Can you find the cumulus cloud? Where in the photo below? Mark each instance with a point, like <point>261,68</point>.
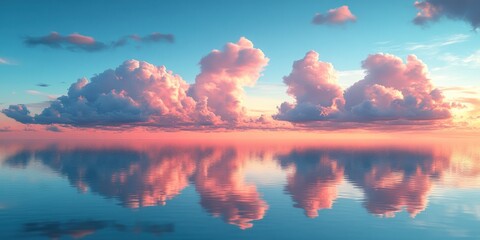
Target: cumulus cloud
<point>78,42</point>
<point>134,92</point>
<point>139,93</point>
<point>335,16</point>
<point>18,112</point>
<point>314,86</point>
<point>219,86</point>
<point>433,10</point>
<point>391,90</point>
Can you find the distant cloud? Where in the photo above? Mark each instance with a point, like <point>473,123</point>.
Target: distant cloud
<point>390,91</point>
<point>154,37</point>
<point>43,85</point>
<point>4,61</point>
<point>53,128</point>
<point>38,93</point>
<point>5,129</point>
<point>434,45</point>
<point>335,16</point>
<point>77,42</point>
<point>433,10</point>
<point>72,42</point>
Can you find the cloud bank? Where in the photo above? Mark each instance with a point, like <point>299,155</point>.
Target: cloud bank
<point>78,42</point>
<point>391,90</point>
<point>139,93</point>
<point>335,16</point>
<point>433,10</point>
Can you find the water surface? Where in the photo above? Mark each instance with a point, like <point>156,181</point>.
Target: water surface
<point>151,190</point>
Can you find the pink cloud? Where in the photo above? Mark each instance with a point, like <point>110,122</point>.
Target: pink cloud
<point>391,90</point>
<point>395,90</point>
<point>314,86</point>
<point>337,16</point>
<point>432,10</point>
<point>223,75</point>
<point>140,93</point>
<point>134,92</point>
<point>76,38</point>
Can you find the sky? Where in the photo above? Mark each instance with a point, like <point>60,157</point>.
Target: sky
<point>209,65</point>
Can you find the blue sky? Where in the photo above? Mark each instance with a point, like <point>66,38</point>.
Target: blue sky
<point>281,29</point>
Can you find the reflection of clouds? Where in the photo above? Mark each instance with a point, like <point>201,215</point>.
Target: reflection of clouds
<point>390,178</point>
<point>140,178</point>
<point>81,228</point>
<point>394,179</point>
<point>390,195</point>
<point>223,191</point>
<point>313,185</point>
<point>133,177</point>
<point>56,230</point>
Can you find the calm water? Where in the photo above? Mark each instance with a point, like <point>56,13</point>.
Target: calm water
<point>127,190</point>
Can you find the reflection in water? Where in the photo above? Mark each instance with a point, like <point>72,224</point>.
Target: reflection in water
<point>313,185</point>
<point>82,228</point>
<point>223,192</point>
<point>391,178</point>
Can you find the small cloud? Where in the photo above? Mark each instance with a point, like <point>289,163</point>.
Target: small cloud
<point>53,128</point>
<point>4,61</point>
<point>5,129</point>
<point>29,129</point>
<point>154,37</point>
<point>43,85</point>
<point>335,16</point>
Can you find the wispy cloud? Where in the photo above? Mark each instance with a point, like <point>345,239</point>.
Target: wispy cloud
<point>78,42</point>
<point>4,61</point>
<point>38,93</point>
<point>471,60</point>
<point>454,39</point>
<point>430,47</point>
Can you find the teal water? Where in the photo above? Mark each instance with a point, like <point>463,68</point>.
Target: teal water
<point>148,190</point>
